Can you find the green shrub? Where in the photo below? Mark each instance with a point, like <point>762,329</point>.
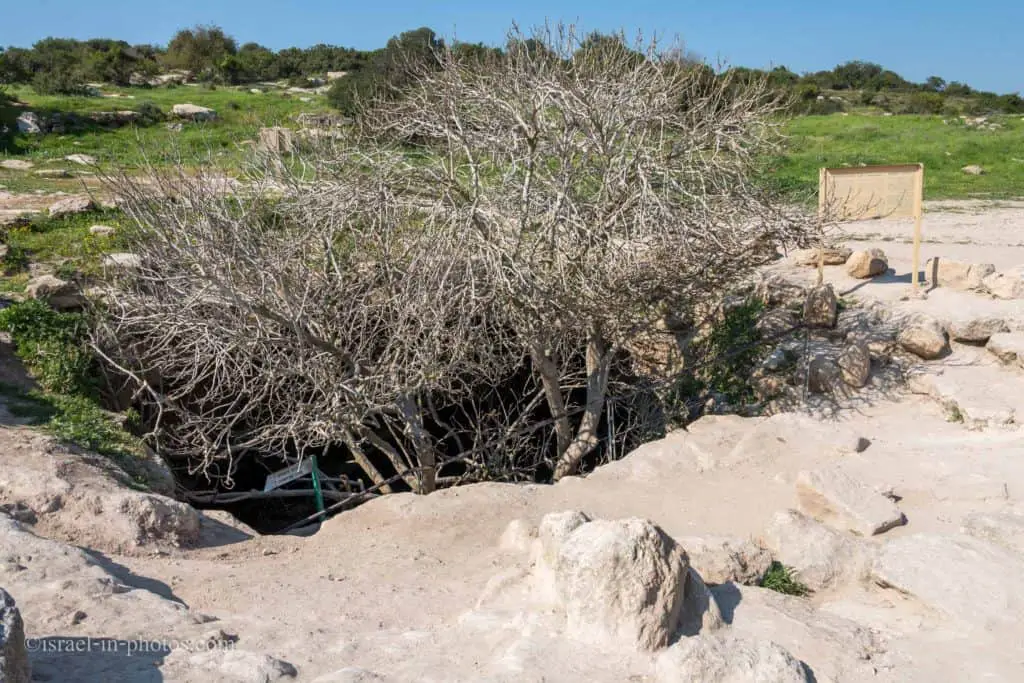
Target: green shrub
<point>16,259</point>
<point>730,352</point>
<point>780,579</point>
<point>52,345</point>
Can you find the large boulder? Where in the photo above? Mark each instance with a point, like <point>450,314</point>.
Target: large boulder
<point>57,293</point>
<point>956,274</point>
<point>626,581</point>
<point>14,667</point>
<point>193,112</point>
<point>70,206</point>
<point>976,330</point>
<point>855,364</point>
<point>727,658</point>
<point>621,580</point>
<point>820,307</point>
<point>16,164</point>
<point>868,263</point>
<point>29,123</point>
<point>925,338</point>
<point>1006,285</point>
<point>1007,347</point>
<point>833,256</point>
<point>822,557</point>
<point>719,560</point>
<point>833,497</point>
<point>824,376</point>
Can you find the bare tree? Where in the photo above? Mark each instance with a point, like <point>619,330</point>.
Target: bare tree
<point>601,185</point>
<point>530,213</point>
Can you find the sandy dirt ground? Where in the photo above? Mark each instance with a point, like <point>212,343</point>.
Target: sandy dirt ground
<point>404,588</point>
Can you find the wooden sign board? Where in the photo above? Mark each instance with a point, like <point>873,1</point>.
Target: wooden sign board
<point>857,193</point>
<point>288,474</point>
<point>863,192</point>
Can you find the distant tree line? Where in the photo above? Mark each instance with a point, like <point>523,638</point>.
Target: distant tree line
<point>61,65</point>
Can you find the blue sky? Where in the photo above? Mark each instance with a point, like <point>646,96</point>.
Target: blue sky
<point>979,42</point>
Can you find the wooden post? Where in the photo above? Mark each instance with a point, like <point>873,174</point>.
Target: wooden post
<point>822,207</point>
<point>918,211</point>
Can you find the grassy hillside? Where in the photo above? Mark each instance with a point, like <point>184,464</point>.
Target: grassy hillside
<point>943,145</point>
<point>240,114</point>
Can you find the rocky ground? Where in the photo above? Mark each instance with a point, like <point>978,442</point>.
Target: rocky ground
<point>900,505</point>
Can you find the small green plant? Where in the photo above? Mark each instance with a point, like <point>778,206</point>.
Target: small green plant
<point>52,346</point>
<point>67,270</point>
<point>780,579</point>
<point>730,352</point>
<point>953,413</point>
<point>16,259</point>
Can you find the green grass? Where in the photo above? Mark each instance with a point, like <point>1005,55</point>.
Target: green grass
<point>240,115</point>
<point>780,579</point>
<point>65,240</point>
<point>53,348</point>
<point>944,148</point>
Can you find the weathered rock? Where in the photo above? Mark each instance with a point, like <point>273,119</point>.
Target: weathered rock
<point>768,386</point>
<point>834,498</point>
<point>14,667</point>
<point>237,665</point>
<point>973,169</point>
<point>776,290</point>
<point>820,307</point>
<point>1007,346</point>
<point>1006,285</point>
<point>518,536</point>
<point>122,261</point>
<point>29,123</point>
<point>855,364</point>
<point>726,658</point>
<point>718,559</point>
<point>942,272</point>
<point>776,322</point>
<point>833,256</point>
<point>70,206</point>
<point>82,159</point>
<point>622,580</point>
<point>925,338</point>
<point>193,112</point>
<point>968,579</point>
<point>865,264</point>
<point>16,165</point>
<point>833,647</point>
<point>57,293</point>
<point>1005,528</point>
<point>53,173</point>
<point>553,531</point>
<point>102,230</point>
<point>822,557</point>
<point>976,330</point>
<point>824,376</point>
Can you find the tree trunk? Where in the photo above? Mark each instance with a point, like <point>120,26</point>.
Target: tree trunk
<point>598,368</point>
<point>549,378</point>
<point>426,472</point>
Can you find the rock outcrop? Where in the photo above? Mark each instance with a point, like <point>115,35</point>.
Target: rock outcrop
<point>14,667</point>
<point>866,264</point>
<point>925,338</point>
<point>834,498</point>
<point>726,658</point>
<point>822,557</point>
<point>820,307</point>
